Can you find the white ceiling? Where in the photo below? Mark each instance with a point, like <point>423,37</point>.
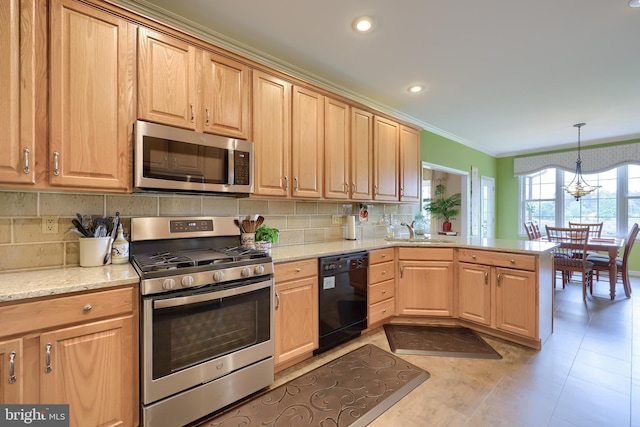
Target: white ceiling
<point>502,76</point>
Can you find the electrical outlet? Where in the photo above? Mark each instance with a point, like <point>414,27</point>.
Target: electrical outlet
<point>336,219</point>
<point>49,225</point>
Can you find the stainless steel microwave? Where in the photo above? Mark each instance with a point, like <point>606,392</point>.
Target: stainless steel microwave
<point>171,159</point>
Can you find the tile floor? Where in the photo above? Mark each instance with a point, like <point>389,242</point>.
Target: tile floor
<point>587,374</point>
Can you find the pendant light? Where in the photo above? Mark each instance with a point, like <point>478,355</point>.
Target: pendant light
<point>578,187</point>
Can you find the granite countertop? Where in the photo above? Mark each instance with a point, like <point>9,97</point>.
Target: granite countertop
<point>57,281</point>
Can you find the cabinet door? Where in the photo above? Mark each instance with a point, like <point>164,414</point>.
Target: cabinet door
<point>17,82</point>
<point>91,368</point>
<point>516,306</point>
<point>385,143</point>
<point>91,94</point>
<point>167,79</point>
<point>410,165</point>
<point>425,288</point>
<point>296,318</point>
<point>474,293</point>
<point>271,134</point>
<point>336,148</point>
<point>307,143</point>
<point>226,96</point>
<point>11,372</point>
<point>361,155</point>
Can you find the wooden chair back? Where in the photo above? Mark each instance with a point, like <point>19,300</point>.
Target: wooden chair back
<point>532,229</point>
<point>595,229</point>
<point>571,241</point>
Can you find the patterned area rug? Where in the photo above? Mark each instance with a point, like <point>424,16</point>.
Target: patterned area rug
<point>446,341</point>
<point>351,390</point>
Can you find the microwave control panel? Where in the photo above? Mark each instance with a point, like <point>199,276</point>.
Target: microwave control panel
<point>242,164</point>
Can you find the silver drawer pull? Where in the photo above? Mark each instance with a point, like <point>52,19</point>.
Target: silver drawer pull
<point>384,272</point>
<point>384,291</point>
<point>87,307</point>
<point>56,163</point>
<point>12,369</point>
<point>384,310</point>
<point>384,255</point>
<point>473,257</point>
<point>26,161</point>
<point>513,261</point>
<point>47,359</point>
<point>297,270</point>
<point>277,301</point>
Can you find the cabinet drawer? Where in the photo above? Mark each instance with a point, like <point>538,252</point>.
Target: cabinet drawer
<point>296,270</point>
<point>381,311</point>
<point>55,312</point>
<point>498,259</point>
<point>381,272</point>
<point>380,255</point>
<point>381,291</point>
<point>428,254</point>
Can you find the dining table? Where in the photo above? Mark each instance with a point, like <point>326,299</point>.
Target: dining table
<point>610,245</point>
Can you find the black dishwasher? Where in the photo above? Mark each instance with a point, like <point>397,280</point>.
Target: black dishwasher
<point>343,298</point>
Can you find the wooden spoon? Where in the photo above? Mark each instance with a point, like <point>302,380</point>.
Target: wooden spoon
<point>259,221</point>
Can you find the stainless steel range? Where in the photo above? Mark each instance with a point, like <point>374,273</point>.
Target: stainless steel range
<point>206,323</point>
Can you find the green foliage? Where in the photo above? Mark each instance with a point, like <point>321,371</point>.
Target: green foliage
<point>443,208</point>
<point>265,233</point>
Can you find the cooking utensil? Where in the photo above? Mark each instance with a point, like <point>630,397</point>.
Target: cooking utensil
<point>239,225</point>
<point>80,228</point>
<point>246,226</point>
<point>259,221</point>
<point>114,230</point>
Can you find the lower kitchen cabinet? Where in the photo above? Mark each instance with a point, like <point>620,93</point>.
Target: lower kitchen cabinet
<point>425,282</point>
<point>381,290</point>
<point>80,350</point>
<point>296,312</point>
<point>502,298</point>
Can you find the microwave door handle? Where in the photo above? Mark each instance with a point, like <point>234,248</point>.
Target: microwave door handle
<point>232,172</point>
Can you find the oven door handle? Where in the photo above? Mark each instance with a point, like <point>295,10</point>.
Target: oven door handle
<point>194,299</point>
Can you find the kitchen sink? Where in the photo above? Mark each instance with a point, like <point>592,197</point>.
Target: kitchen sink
<point>418,240</point>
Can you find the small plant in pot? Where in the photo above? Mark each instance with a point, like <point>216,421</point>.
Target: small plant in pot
<point>265,237</point>
<point>444,208</point>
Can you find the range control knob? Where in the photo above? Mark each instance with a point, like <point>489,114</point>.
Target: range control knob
<point>246,272</point>
<point>187,281</point>
<point>259,269</point>
<point>218,276</point>
<point>168,284</point>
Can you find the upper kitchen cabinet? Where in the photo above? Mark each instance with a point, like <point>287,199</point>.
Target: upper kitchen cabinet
<point>409,164</point>
<point>92,76</point>
<point>168,78</point>
<point>336,149</point>
<point>271,134</point>
<point>307,143</point>
<point>361,154</point>
<point>226,96</point>
<point>192,88</point>
<point>17,82</point>
<point>386,135</point>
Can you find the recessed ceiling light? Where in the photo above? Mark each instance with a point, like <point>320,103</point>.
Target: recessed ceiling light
<point>363,24</point>
<point>634,3</point>
<point>415,88</point>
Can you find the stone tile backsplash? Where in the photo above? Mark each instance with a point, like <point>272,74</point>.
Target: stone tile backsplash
<point>24,246</point>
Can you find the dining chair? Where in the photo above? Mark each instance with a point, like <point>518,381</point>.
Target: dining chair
<point>601,261</point>
<point>571,240</point>
<point>536,231</point>
<point>595,230</point>
<point>532,229</point>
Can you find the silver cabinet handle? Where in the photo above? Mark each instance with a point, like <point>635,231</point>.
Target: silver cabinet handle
<point>353,189</point>
<point>87,307</point>
<point>298,270</point>
<point>346,188</point>
<point>56,163</point>
<point>486,277</point>
<point>26,160</point>
<point>193,116</point>
<point>295,182</point>
<point>12,369</point>
<point>286,182</point>
<point>208,118</point>
<point>513,261</point>
<point>47,359</point>
<point>499,277</point>
<point>384,255</point>
<point>401,271</point>
<point>473,257</point>
<point>375,189</point>
<point>401,191</point>
<point>277,300</point>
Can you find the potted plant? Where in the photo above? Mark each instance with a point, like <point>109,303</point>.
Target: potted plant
<point>265,237</point>
<point>444,208</point>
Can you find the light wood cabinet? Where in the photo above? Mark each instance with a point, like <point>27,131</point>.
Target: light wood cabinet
<point>361,154</point>
<point>296,311</point>
<point>493,295</point>
<point>381,289</point>
<point>271,134</point>
<point>307,143</point>
<point>385,171</point>
<point>337,149</point>
<point>91,82</point>
<point>410,165</point>
<point>185,86</point>
<point>18,86</point>
<point>425,282</point>
<point>80,350</point>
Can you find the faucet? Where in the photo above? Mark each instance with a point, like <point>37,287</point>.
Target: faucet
<point>410,227</point>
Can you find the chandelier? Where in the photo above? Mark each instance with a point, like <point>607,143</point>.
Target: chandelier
<point>578,187</point>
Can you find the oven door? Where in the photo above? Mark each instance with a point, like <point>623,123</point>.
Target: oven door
<point>193,337</point>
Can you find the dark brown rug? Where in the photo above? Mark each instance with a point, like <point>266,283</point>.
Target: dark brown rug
<point>449,341</point>
<point>351,390</point>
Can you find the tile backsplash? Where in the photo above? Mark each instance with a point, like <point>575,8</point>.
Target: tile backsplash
<point>23,245</point>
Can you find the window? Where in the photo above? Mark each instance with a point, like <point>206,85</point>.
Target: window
<point>616,203</point>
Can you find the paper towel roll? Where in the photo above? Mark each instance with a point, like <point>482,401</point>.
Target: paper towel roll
<point>350,228</point>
